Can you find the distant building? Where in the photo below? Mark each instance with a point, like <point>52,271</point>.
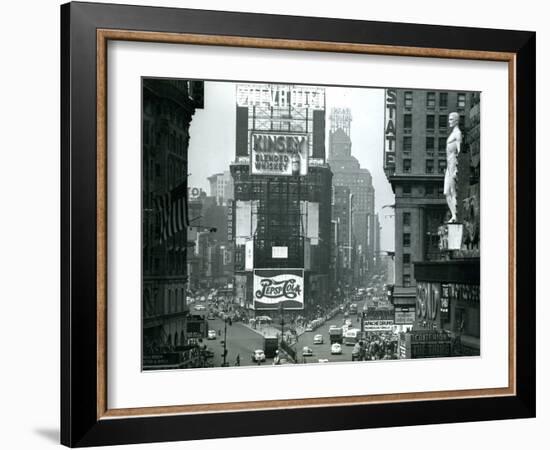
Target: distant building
<point>168,107</point>
<point>221,187</point>
<point>342,210</point>
<point>348,173</point>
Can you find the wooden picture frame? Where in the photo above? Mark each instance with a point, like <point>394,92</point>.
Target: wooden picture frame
<point>86,419</point>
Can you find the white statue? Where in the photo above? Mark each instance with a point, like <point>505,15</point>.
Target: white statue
<point>453,149</point>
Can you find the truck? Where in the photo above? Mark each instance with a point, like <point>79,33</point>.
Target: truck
<point>336,335</point>
<point>271,345</point>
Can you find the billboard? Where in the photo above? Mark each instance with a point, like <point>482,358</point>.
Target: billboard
<point>280,96</point>
<point>279,154</point>
<point>276,288</point>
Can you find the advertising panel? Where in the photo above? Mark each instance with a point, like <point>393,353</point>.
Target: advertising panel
<point>404,315</point>
<point>279,154</point>
<point>280,96</point>
<point>276,288</point>
<point>378,325</point>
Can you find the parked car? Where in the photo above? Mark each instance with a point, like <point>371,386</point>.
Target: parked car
<point>335,349</point>
<point>307,351</point>
<point>200,307</point>
<point>212,334</point>
<point>258,356</point>
<point>309,327</point>
<point>323,360</point>
<point>318,339</point>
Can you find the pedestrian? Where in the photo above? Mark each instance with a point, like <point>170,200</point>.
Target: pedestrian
<point>238,360</point>
<point>219,332</point>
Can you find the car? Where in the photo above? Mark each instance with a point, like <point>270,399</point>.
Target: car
<point>348,322</point>
<point>306,351</point>
<point>336,349</point>
<point>200,307</point>
<point>323,360</point>
<point>318,339</point>
<point>211,316</point>
<point>309,327</point>
<point>212,334</point>
<point>258,356</point>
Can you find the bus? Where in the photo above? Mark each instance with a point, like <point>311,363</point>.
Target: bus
<point>351,337</point>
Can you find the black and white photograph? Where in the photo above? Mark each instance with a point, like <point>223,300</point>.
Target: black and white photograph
<point>302,224</point>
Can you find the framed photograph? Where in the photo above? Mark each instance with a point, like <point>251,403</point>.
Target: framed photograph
<point>279,224</point>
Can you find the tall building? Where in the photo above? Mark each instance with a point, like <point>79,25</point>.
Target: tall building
<point>347,172</point>
<point>416,130</point>
<point>451,282</point>
<point>281,210</point>
<point>221,187</point>
<point>168,107</point>
<point>342,215</point>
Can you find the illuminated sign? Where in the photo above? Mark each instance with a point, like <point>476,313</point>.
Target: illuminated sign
<point>275,288</point>
<point>390,116</point>
<point>279,154</point>
<point>280,96</point>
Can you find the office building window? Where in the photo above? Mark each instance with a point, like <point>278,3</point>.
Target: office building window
<point>406,279</point>
<point>407,144</point>
<point>441,166</point>
<point>406,258</point>
<point>430,141</point>
<point>443,99</point>
<point>406,165</point>
<point>406,218</point>
<point>407,189</point>
<point>408,99</point>
<point>406,239</point>
<point>407,121</point>
<point>430,100</point>
<point>442,121</point>
<point>430,122</point>
<point>442,145</point>
<point>429,166</point>
<point>461,100</point>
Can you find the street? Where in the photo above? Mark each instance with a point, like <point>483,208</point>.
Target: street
<point>241,340</point>
<point>322,351</point>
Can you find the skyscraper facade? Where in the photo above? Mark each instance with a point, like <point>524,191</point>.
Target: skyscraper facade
<point>347,172</point>
<point>416,130</point>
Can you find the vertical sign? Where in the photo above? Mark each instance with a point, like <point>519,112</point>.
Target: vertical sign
<point>390,116</point>
<point>249,255</point>
<point>230,220</point>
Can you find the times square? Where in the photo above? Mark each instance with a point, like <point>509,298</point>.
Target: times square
<point>285,251</point>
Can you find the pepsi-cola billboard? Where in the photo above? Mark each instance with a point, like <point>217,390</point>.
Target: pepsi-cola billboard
<point>276,288</point>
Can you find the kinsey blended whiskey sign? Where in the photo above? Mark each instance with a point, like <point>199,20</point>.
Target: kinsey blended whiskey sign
<point>274,288</point>
<point>279,154</point>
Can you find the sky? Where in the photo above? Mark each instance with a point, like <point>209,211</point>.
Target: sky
<point>212,140</point>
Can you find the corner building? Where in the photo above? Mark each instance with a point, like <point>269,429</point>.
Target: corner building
<point>416,131</point>
<point>168,108</point>
<point>281,211</point>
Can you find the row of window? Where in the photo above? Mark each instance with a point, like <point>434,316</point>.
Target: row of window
<point>431,100</point>
<point>430,165</point>
<point>442,121</point>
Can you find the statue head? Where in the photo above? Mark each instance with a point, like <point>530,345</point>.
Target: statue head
<point>453,119</point>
